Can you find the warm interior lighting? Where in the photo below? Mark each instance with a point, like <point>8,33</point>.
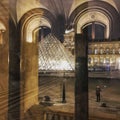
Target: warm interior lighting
<point>2,30</point>
<point>1,36</point>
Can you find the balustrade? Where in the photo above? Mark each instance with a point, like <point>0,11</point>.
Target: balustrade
<point>58,116</point>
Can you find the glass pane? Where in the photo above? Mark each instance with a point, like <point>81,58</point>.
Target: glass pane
<point>99,32</point>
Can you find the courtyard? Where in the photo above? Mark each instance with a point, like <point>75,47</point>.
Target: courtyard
<point>107,109</point>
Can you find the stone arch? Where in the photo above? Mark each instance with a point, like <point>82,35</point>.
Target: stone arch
<point>93,16</point>
<point>28,25</point>
<point>35,23</point>
<point>111,15</point>
<point>43,13</point>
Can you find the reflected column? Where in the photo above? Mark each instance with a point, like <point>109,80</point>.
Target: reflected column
<point>81,82</point>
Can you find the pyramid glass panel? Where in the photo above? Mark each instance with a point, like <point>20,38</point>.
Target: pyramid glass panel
<point>54,56</point>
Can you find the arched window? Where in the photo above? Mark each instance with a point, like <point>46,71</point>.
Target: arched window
<point>107,51</point>
<point>101,50</point>
<point>96,51</point>
<point>113,50</point>
<point>107,60</point>
<point>94,31</point>
<point>101,60</point>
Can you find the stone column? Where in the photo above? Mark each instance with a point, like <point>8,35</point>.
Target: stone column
<point>4,75</point>
<point>81,83</point>
<point>14,73</point>
<point>29,75</point>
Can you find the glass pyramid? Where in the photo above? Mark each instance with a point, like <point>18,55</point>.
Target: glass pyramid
<point>53,56</point>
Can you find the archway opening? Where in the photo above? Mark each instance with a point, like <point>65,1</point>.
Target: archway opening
<point>32,30</point>
<point>54,66</point>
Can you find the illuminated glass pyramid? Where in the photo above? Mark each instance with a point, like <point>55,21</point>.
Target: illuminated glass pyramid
<point>54,56</point>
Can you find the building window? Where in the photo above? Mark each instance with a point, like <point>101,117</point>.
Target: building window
<point>107,50</point>
<point>112,60</point>
<point>101,50</point>
<point>107,60</point>
<point>96,51</point>
<point>101,60</point>
<point>113,51</point>
<point>89,50</point>
<point>95,61</point>
<point>94,31</point>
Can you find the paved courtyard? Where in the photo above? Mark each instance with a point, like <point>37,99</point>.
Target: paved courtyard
<point>110,95</point>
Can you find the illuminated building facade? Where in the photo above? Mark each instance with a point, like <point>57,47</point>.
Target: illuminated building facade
<point>102,55</point>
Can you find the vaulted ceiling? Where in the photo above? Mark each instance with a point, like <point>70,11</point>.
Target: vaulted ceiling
<point>57,8</point>
<point>19,7</point>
